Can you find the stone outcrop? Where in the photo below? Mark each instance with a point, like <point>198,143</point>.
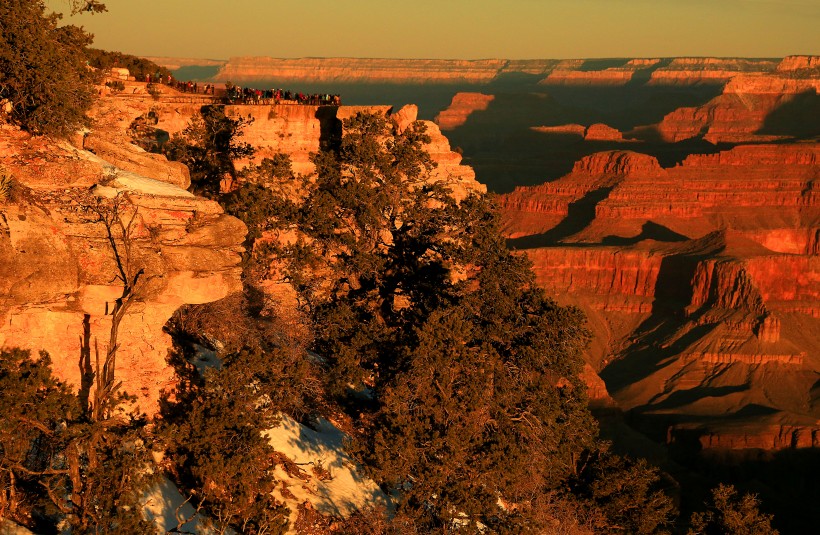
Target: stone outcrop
<point>602,132</point>
<point>747,111</point>
<point>128,157</point>
<point>462,106</point>
<point>58,266</point>
<point>295,130</point>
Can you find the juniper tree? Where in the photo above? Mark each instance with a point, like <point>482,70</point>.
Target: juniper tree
<point>43,72</point>
<point>58,466</point>
<point>472,370</point>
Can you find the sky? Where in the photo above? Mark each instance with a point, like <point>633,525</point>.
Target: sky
<point>463,29</point>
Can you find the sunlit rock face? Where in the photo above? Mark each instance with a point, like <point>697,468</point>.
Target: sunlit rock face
<point>755,107</point>
<point>702,278</point>
<point>57,265</point>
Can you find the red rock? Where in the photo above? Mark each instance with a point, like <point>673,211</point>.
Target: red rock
<point>570,129</point>
<point>461,107</point>
<point>347,70</point>
<point>719,254</point>
<point>602,132</point>
<point>739,114</point>
<point>56,266</point>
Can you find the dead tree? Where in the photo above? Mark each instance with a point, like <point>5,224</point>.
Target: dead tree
<point>119,234</point>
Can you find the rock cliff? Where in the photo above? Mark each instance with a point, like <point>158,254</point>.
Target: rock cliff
<point>57,265</point>
<point>295,130</point>
<point>754,107</point>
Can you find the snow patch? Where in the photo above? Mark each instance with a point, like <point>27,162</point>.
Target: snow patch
<point>166,508</point>
<point>342,490</point>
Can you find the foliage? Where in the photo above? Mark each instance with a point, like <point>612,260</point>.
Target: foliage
<point>117,86</point>
<point>471,372</point>
<point>622,495</point>
<point>214,442</point>
<point>728,514</point>
<point>57,464</point>
<point>87,6</point>
<point>137,67</point>
<point>208,146</point>
<point>42,69</point>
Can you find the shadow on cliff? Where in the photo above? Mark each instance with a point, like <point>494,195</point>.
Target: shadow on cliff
<point>649,231</point>
<point>667,332</point>
<point>798,117</point>
<point>784,481</point>
<point>505,151</point>
<point>579,215</point>
<point>330,128</point>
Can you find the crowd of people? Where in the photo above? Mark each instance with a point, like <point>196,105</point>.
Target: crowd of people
<point>234,94</point>
<point>249,95</point>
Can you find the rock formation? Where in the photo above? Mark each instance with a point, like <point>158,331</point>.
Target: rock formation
<point>462,106</point>
<point>347,70</point>
<point>573,72</point>
<point>58,266</point>
<point>701,282</point>
<point>757,107</point>
<point>295,130</point>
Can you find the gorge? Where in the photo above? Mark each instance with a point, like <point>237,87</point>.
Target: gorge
<point>671,200</point>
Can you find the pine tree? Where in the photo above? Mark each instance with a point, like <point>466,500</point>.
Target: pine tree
<point>728,514</point>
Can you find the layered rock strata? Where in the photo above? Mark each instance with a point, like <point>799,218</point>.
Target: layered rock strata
<point>757,107</point>
<point>295,130</point>
<point>701,282</point>
<point>58,265</point>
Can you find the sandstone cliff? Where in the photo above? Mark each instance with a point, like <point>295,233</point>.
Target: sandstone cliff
<point>754,107</point>
<point>57,265</point>
<point>295,130</point>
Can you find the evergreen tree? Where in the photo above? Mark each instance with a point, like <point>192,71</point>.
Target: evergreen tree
<point>213,435</point>
<point>472,372</point>
<point>620,495</point>
<point>43,72</point>
<point>728,514</point>
<point>208,145</point>
<point>59,467</point>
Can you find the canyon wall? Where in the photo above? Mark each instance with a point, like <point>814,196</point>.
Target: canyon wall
<point>347,70</point>
<point>702,277</point>
<point>655,71</point>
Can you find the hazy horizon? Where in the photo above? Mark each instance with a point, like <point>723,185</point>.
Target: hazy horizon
<point>479,29</point>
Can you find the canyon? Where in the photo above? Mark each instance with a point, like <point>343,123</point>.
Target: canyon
<point>699,273</point>
<point>58,267</point>
<point>672,200</point>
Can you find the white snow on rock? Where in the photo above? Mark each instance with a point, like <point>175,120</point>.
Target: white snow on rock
<point>132,182</point>
<point>344,492</point>
<point>166,508</point>
<point>7,527</point>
